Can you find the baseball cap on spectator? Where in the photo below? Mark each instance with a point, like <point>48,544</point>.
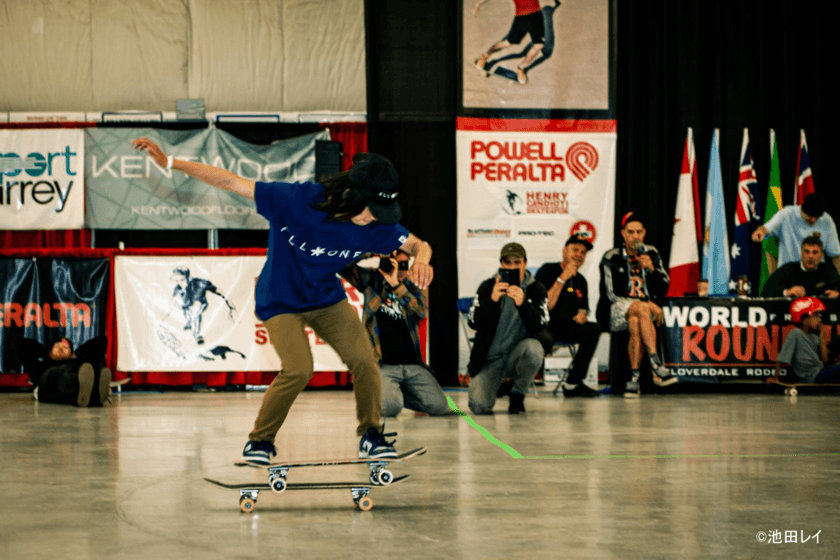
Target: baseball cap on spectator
<point>580,239</point>
<point>814,205</point>
<point>513,249</point>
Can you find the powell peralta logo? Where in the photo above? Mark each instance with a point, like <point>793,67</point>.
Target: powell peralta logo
<point>54,314</point>
<point>29,178</point>
<point>530,161</point>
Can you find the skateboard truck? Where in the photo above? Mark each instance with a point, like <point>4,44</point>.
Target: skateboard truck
<point>277,478</point>
<point>379,475</point>
<point>248,498</point>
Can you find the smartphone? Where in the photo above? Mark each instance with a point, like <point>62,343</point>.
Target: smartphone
<point>509,276</point>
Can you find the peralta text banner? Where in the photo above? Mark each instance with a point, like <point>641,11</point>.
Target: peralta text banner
<point>127,190</point>
<point>49,298</point>
<point>730,338</point>
<point>197,314</point>
<point>42,179</point>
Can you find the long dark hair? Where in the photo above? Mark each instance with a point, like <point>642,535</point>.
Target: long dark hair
<point>339,199</point>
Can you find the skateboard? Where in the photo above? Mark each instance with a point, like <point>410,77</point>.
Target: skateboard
<point>793,389</point>
<point>379,475</point>
<point>248,492</point>
<point>493,68</point>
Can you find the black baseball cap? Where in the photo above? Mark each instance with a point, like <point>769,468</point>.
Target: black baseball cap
<point>580,239</point>
<point>375,179</point>
<point>814,205</point>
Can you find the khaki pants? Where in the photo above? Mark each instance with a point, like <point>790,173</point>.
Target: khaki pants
<point>339,326</point>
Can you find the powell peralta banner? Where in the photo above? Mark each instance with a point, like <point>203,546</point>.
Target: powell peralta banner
<point>730,339</point>
<point>197,314</point>
<point>50,298</point>
<point>536,182</point>
<point>41,179</point>
<point>127,190</point>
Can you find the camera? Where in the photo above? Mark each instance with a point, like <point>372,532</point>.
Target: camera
<point>509,276</point>
<point>385,264</point>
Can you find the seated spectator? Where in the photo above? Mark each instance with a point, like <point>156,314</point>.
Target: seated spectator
<point>792,224</point>
<point>808,277</point>
<point>568,303</point>
<point>806,348</point>
<point>510,316</point>
<point>631,276</point>
<point>394,307</point>
<point>62,376</point>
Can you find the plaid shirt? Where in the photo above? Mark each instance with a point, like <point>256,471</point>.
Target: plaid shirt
<point>412,300</point>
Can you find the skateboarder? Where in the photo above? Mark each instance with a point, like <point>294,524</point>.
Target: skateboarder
<point>531,20</point>
<point>315,231</point>
<point>806,347</point>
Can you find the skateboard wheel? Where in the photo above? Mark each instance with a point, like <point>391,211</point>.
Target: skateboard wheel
<point>365,504</point>
<point>385,478</point>
<point>247,505</point>
<point>793,392</point>
<point>374,479</point>
<point>278,485</point>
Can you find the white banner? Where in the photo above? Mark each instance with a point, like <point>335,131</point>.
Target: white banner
<point>536,183</point>
<point>197,314</point>
<point>42,179</point>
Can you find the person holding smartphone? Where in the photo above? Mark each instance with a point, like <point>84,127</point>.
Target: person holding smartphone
<point>510,316</point>
<point>393,309</point>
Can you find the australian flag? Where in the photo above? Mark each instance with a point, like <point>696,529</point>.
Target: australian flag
<point>745,260</point>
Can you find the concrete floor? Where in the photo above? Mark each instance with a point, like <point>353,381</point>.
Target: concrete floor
<point>682,476</point>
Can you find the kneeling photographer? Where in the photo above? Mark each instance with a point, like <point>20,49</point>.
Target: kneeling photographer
<point>510,316</point>
<point>394,307</point>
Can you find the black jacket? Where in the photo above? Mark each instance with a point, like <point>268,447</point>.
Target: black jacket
<point>484,318</point>
<point>815,282</point>
<point>619,280</point>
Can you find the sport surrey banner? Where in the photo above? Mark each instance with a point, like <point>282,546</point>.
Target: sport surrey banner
<point>197,314</point>
<point>49,298</point>
<point>127,190</point>
<point>41,179</point>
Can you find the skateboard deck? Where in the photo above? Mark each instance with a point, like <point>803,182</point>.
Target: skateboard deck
<point>249,491</point>
<point>493,68</point>
<point>793,389</point>
<point>379,475</point>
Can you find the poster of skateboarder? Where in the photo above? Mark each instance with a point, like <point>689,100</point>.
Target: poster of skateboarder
<point>197,314</point>
<point>536,54</point>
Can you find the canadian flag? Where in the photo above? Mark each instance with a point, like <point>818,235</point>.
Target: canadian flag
<point>684,264</point>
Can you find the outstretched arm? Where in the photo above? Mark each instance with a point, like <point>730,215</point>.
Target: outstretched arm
<point>213,176</point>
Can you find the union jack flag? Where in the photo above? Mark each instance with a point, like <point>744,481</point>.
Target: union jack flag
<point>804,181</point>
<point>747,217</point>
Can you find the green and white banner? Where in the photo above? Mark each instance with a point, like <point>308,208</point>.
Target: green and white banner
<point>125,189</point>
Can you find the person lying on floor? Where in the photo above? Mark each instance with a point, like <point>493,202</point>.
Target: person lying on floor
<point>62,376</point>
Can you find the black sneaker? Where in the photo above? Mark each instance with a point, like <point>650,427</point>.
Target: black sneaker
<point>517,403</point>
<point>259,452</point>
<point>579,390</point>
<point>374,445</point>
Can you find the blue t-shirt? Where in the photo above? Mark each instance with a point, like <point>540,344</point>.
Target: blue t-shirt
<point>306,249</point>
<point>789,227</point>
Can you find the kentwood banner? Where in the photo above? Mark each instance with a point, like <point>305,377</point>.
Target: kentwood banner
<point>729,338</point>
<point>127,190</point>
<point>47,299</point>
<point>41,179</point>
<point>197,314</point>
